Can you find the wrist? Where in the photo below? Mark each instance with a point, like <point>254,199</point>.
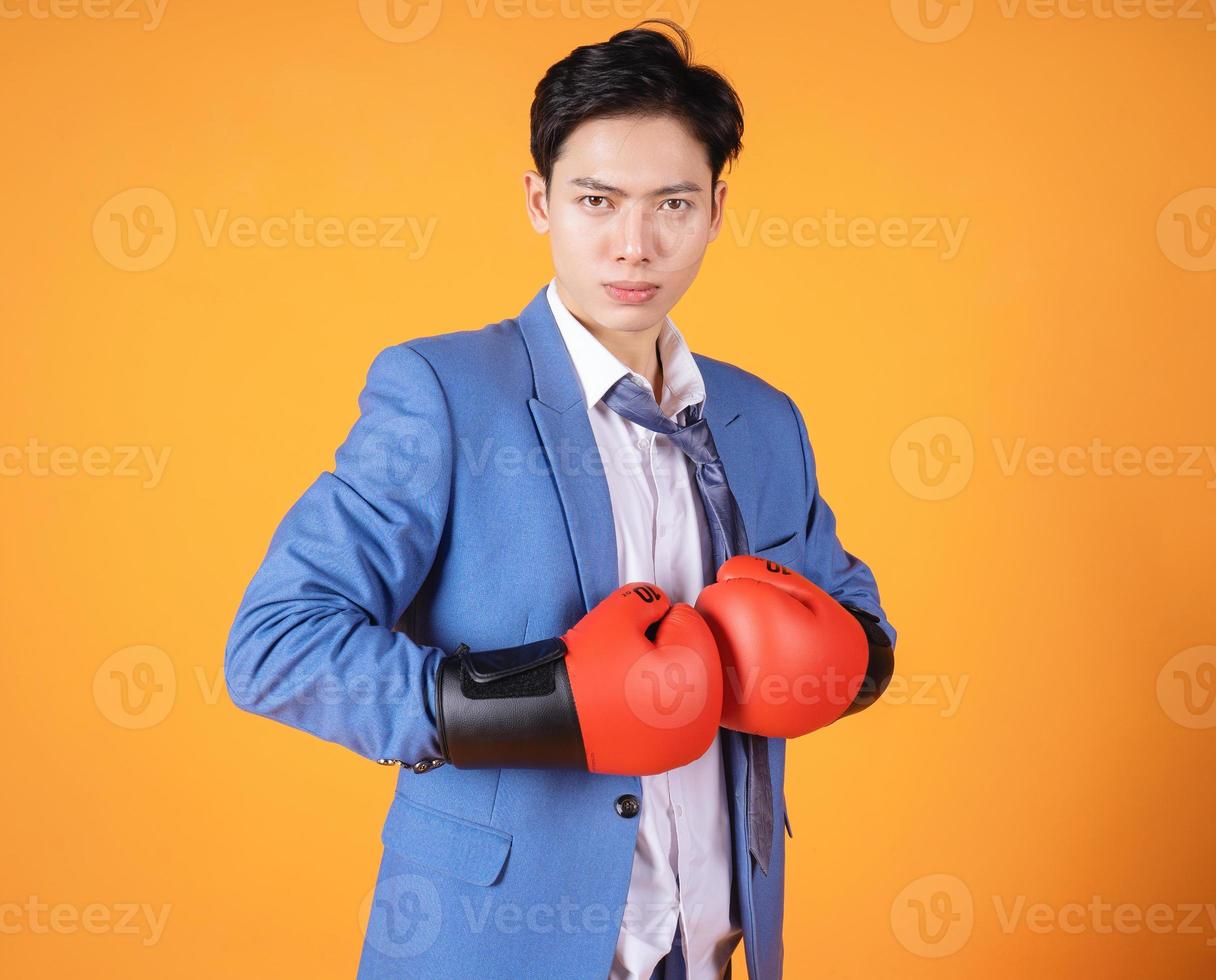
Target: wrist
<point>881,664</point>
<point>510,707</point>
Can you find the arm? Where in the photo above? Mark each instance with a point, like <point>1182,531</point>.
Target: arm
<point>846,578</point>
<point>312,645</point>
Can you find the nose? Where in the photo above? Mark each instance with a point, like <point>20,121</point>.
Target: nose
<point>635,235</point>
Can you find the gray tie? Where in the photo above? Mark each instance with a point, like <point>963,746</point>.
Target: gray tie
<point>728,537</point>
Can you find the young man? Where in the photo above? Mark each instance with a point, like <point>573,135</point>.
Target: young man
<point>578,582</point>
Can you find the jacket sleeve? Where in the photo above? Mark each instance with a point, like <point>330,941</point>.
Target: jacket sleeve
<point>313,644</point>
<point>846,578</point>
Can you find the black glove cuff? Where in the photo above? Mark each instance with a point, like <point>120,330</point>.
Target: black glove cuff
<point>881,664</point>
<point>511,707</point>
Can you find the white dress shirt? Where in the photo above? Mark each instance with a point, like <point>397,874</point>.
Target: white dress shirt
<point>682,861</point>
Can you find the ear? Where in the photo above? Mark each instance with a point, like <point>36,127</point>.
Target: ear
<point>536,200</point>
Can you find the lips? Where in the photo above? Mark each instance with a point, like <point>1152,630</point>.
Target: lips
<point>625,291</point>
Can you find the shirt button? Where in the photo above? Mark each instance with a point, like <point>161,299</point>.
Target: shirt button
<point>628,805</point>
<point>643,442</point>
<point>679,810</point>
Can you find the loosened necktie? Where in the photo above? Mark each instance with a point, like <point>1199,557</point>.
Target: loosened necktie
<point>728,537</point>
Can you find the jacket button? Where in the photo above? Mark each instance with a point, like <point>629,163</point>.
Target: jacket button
<point>628,805</point>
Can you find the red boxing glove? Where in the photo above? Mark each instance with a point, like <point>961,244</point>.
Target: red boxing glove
<point>644,707</point>
<point>604,696</point>
<point>793,658</point>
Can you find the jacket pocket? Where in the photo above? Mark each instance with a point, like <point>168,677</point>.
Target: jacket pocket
<point>787,551</point>
<point>449,844</point>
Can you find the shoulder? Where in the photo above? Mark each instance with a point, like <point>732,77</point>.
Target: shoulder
<point>472,350</point>
<point>488,357</point>
<point>749,391</point>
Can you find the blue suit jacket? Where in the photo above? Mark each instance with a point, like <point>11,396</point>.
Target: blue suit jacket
<point>468,504</point>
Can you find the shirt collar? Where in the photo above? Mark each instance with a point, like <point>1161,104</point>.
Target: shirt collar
<point>598,369</point>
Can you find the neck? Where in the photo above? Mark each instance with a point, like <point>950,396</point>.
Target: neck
<point>638,350</point>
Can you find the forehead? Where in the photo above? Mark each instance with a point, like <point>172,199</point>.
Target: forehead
<point>625,150</point>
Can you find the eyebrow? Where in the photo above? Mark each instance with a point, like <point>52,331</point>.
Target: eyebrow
<point>591,184</point>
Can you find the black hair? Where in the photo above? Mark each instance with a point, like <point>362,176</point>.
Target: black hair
<point>636,72</point>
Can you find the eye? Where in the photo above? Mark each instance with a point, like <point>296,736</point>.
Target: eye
<point>594,197</point>
<point>679,200</point>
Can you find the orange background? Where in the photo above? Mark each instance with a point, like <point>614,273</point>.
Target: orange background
<point>1053,602</point>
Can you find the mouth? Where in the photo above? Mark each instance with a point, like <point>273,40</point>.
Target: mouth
<point>625,291</point>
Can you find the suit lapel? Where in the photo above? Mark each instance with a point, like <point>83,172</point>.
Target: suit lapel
<point>559,410</point>
<point>734,442</point>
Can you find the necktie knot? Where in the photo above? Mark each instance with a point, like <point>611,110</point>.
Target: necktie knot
<point>631,401</point>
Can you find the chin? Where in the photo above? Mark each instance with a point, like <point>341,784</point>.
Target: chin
<point>628,320</point>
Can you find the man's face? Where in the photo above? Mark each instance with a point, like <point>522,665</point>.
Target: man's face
<point>629,202</point>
